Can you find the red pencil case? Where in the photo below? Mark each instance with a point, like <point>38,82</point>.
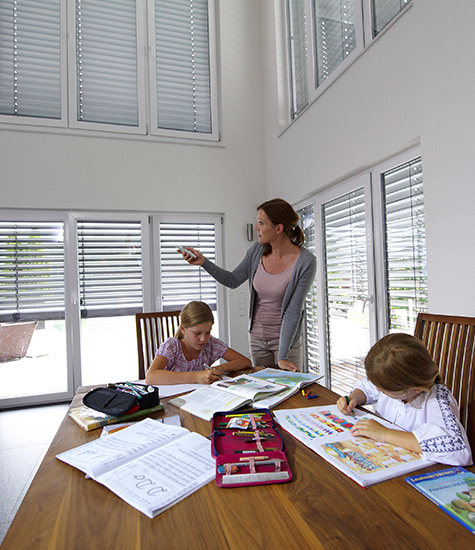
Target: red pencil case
<point>248,448</point>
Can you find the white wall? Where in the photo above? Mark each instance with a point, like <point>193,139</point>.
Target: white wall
<point>415,84</point>
<point>43,170</point>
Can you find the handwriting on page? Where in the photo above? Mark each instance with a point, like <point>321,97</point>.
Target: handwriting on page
<point>162,476</point>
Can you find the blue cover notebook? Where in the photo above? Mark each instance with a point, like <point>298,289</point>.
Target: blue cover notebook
<point>453,490</point>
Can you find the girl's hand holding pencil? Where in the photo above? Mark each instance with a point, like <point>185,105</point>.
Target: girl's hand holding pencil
<point>346,405</point>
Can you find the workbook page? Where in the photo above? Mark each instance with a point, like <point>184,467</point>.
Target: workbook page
<point>208,400</point>
<point>157,480</point>
<point>103,454</point>
<point>327,432</point>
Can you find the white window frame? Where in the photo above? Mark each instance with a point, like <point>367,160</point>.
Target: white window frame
<point>379,234</point>
<point>141,128</point>
<point>217,220</point>
<point>150,277</point>
<point>69,293</point>
<point>364,39</point>
<point>147,128</point>
<point>154,129</point>
<point>375,235</point>
<point>7,121</point>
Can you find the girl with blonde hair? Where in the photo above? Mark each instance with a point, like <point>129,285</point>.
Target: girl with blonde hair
<point>186,357</point>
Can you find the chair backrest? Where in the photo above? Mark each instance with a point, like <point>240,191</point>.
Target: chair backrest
<point>451,342</point>
<point>152,330</point>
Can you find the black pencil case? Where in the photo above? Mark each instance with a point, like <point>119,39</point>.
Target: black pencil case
<point>122,398</point>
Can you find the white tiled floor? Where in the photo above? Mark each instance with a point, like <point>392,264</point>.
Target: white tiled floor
<point>25,435</point>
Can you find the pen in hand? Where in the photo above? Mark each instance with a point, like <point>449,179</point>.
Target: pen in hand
<point>347,399</point>
<point>211,369</point>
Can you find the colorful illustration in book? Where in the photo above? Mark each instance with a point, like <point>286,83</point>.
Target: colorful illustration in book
<point>464,505</point>
<point>361,455</point>
<point>366,456</point>
<point>321,424</point>
<point>458,496</point>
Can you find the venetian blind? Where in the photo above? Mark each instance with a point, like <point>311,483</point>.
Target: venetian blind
<point>110,268</point>
<point>106,62</point>
<point>298,56</point>
<point>384,11</point>
<point>183,82</point>
<point>30,58</point>
<point>31,271</point>
<point>346,277</point>
<point>406,263</point>
<point>335,36</point>
<point>345,251</point>
<point>307,222</point>
<point>181,282</point>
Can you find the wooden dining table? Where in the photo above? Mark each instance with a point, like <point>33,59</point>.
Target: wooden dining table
<point>320,508</point>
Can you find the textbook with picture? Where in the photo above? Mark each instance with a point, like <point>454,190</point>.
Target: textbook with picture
<point>149,465</point>
<point>453,490</point>
<point>227,394</point>
<point>293,381</point>
<point>327,432</point>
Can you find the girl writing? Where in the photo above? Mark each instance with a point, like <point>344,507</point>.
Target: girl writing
<point>185,358</point>
<point>404,382</point>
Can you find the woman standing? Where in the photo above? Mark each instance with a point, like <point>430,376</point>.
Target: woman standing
<point>280,273</point>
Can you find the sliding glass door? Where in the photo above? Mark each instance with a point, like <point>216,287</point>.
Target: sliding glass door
<point>344,215</point>
<point>71,283</point>
<point>369,238</point>
<point>33,314</point>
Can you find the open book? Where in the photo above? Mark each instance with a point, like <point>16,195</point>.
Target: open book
<point>293,381</point>
<point>149,465</point>
<point>226,395</point>
<point>327,432</point>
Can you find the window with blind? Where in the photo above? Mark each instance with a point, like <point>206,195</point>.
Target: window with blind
<point>80,280</point>
<point>312,344</point>
<point>384,11</point>
<point>372,260</point>
<point>106,62</point>
<point>132,66</point>
<point>406,263</point>
<point>183,97</point>
<point>30,59</point>
<point>181,282</point>
<point>335,36</point>
<point>298,56</point>
<point>31,271</point>
<point>325,36</point>
<point>346,277</point>
<point>109,268</point>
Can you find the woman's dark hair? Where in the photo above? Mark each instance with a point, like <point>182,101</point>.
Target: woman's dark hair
<point>399,362</point>
<point>281,212</point>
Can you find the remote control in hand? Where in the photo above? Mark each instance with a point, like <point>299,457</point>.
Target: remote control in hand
<point>185,251</point>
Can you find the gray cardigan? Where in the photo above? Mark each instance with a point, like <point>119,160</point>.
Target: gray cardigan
<point>294,297</point>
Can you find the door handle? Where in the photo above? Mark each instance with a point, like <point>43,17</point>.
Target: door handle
<point>369,299</point>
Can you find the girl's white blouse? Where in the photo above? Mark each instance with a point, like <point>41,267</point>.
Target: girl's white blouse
<point>433,417</point>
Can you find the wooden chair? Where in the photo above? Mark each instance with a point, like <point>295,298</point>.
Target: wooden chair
<point>152,330</point>
<point>451,342</point>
